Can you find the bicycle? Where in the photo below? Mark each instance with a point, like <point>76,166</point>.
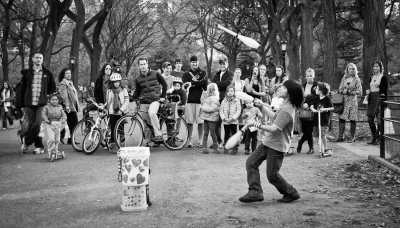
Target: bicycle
<point>97,134</point>
<point>83,126</point>
<point>129,130</point>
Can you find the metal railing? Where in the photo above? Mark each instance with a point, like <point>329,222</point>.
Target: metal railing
<point>392,119</point>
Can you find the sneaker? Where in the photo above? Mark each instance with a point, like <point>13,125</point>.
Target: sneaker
<point>311,151</point>
<point>11,126</point>
<point>289,198</point>
<point>157,139</point>
<point>36,151</point>
<point>205,151</point>
<point>199,144</point>
<point>4,128</point>
<point>190,144</point>
<point>252,196</point>
<point>226,151</point>
<point>220,146</point>
<point>234,151</point>
<point>156,144</point>
<point>42,150</point>
<point>247,152</point>
<point>178,139</point>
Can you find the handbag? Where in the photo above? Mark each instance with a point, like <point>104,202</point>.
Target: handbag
<point>337,99</point>
<point>307,115</point>
<point>338,108</point>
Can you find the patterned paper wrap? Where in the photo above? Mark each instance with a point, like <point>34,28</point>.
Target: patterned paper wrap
<point>135,165</point>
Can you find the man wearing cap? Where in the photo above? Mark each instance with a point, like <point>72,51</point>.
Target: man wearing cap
<point>151,88</point>
<point>223,79</point>
<point>197,80</point>
<point>178,69</point>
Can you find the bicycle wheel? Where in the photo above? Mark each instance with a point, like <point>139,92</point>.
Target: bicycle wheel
<point>128,132</point>
<point>79,132</point>
<point>175,133</point>
<point>92,141</point>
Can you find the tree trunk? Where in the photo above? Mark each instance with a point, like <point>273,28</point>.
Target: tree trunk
<point>6,33</point>
<point>306,37</point>
<point>374,37</point>
<point>329,44</point>
<point>76,39</point>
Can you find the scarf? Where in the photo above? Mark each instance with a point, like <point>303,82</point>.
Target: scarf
<point>116,101</point>
<point>230,99</point>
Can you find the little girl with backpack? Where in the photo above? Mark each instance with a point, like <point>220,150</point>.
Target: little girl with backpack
<point>229,113</point>
<point>209,112</point>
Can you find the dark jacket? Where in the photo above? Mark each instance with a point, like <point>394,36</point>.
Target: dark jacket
<point>98,91</point>
<point>197,88</point>
<point>48,87</point>
<point>182,94</point>
<point>222,83</point>
<point>150,87</point>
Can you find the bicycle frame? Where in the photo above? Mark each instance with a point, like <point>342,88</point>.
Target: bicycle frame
<point>101,117</point>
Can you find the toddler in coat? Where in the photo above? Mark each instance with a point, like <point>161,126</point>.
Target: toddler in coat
<point>210,114</point>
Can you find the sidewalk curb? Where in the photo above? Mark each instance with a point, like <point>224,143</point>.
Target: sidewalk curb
<point>385,163</point>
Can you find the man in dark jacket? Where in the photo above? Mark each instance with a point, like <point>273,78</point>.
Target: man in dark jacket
<point>37,83</point>
<point>223,79</point>
<point>151,89</point>
<point>197,80</point>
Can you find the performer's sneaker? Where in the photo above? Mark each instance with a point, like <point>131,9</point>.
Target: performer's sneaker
<point>252,196</point>
<point>24,148</point>
<point>289,198</point>
<point>190,144</point>
<point>36,151</point>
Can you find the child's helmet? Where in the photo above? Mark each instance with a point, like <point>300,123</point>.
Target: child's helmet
<point>115,77</point>
<point>177,80</point>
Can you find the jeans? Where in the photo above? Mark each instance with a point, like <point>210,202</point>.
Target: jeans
<point>274,162</point>
<point>218,130</point>
<point>209,127</point>
<point>6,116</point>
<point>112,122</point>
<point>230,129</point>
<point>250,138</point>
<point>34,114</point>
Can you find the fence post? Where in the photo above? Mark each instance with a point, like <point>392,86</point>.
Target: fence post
<point>382,127</point>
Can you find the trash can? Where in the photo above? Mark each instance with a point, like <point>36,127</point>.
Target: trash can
<point>133,170</point>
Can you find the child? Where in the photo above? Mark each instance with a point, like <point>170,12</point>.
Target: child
<point>230,112</point>
<point>323,103</point>
<point>117,101</point>
<point>178,91</point>
<point>209,112</point>
<point>54,120</point>
<point>274,145</point>
<point>250,114</point>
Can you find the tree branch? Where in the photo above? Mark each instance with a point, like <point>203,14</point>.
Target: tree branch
<point>59,50</point>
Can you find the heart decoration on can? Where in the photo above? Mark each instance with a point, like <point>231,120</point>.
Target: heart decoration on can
<point>125,178</point>
<point>146,162</point>
<point>136,162</point>
<point>140,179</point>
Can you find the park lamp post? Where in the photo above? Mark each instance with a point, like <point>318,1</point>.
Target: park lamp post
<point>72,62</point>
<point>283,49</point>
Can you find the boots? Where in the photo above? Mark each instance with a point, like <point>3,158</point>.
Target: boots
<point>352,131</point>
<point>374,132</point>
<point>342,127</point>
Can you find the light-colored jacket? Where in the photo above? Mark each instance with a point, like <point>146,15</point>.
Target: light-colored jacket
<point>210,108</point>
<point>123,98</point>
<point>54,113</point>
<point>69,95</point>
<point>230,109</point>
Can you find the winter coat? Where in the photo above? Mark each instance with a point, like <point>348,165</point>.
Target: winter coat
<point>54,113</point>
<point>150,87</point>
<point>210,108</point>
<point>69,95</point>
<point>230,109</point>
<point>48,86</point>
<point>123,98</point>
<point>223,82</point>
